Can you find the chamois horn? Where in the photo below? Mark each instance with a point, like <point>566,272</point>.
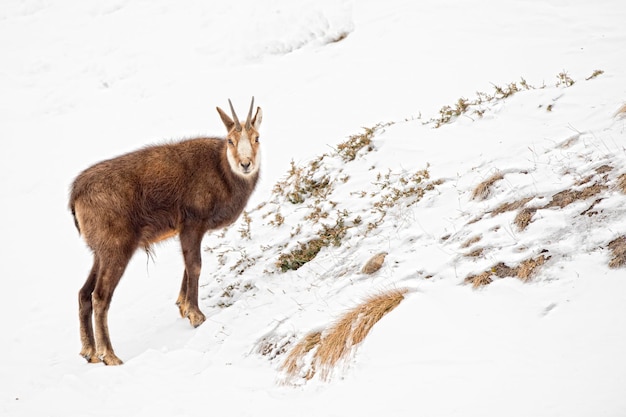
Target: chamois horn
<point>235,118</point>
<point>249,119</point>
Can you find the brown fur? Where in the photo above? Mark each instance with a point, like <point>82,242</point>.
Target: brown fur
<point>135,200</point>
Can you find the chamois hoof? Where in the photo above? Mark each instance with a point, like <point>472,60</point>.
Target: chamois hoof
<point>196,318</point>
<point>110,359</point>
<point>89,355</point>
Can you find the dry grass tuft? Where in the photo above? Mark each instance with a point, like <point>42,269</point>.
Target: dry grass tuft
<point>618,247</point>
<point>352,329</point>
<point>621,112</point>
<point>524,271</point>
<point>567,197</point>
<point>374,263</point>
<point>503,208</point>
<point>621,183</point>
<point>293,364</point>
<point>604,169</point>
<point>479,280</point>
<point>335,344</point>
<point>476,253</point>
<point>483,189</point>
<point>469,242</point>
<point>563,198</point>
<point>502,270</point>
<point>524,217</point>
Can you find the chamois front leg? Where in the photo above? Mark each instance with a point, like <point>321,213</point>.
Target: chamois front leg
<point>190,240</point>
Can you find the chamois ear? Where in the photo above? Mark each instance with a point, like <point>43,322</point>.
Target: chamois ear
<point>258,117</point>
<point>228,122</point>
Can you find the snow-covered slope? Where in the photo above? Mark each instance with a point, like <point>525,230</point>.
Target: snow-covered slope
<point>503,223</point>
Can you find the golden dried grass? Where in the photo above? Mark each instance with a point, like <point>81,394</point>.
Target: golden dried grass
<point>503,208</point>
<point>525,270</point>
<point>621,112</point>
<point>502,270</point>
<point>469,242</point>
<point>483,189</point>
<point>293,363</point>
<point>476,253</point>
<point>621,183</point>
<point>604,169</point>
<point>567,197</point>
<point>337,342</point>
<point>524,217</point>
<point>479,280</point>
<point>618,249</point>
<point>374,263</point>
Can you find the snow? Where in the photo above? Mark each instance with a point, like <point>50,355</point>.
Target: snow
<point>85,81</point>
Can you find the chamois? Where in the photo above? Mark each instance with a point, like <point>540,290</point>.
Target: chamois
<point>184,188</point>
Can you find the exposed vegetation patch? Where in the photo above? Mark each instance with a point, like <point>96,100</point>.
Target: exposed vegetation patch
<point>295,365</point>
<point>524,270</point>
<point>621,183</point>
<point>477,105</point>
<point>245,229</point>
<point>483,189</point>
<point>476,253</point>
<point>374,263</point>
<point>273,346</point>
<point>469,242</point>
<point>480,280</point>
<point>320,352</point>
<point>618,250</point>
<point>564,80</point>
<point>312,180</point>
<point>402,190</point>
<point>604,169</point>
<point>349,149</point>
<point>222,295</point>
<point>304,182</point>
<point>305,252</point>
<point>595,74</point>
<point>524,217</point>
<point>567,197</point>
<point>503,208</point>
<point>389,192</point>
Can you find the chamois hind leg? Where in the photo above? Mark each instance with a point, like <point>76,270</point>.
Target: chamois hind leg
<point>110,272</point>
<point>190,240</point>
<point>85,310</point>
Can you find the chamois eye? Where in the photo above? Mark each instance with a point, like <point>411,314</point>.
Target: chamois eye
<point>230,142</point>
<point>257,139</point>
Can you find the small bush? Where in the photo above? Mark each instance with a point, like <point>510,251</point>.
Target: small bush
<point>305,252</point>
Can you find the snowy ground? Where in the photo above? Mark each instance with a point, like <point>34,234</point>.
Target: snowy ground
<point>86,81</point>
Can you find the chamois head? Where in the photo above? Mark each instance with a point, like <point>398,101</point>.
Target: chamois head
<point>243,150</point>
